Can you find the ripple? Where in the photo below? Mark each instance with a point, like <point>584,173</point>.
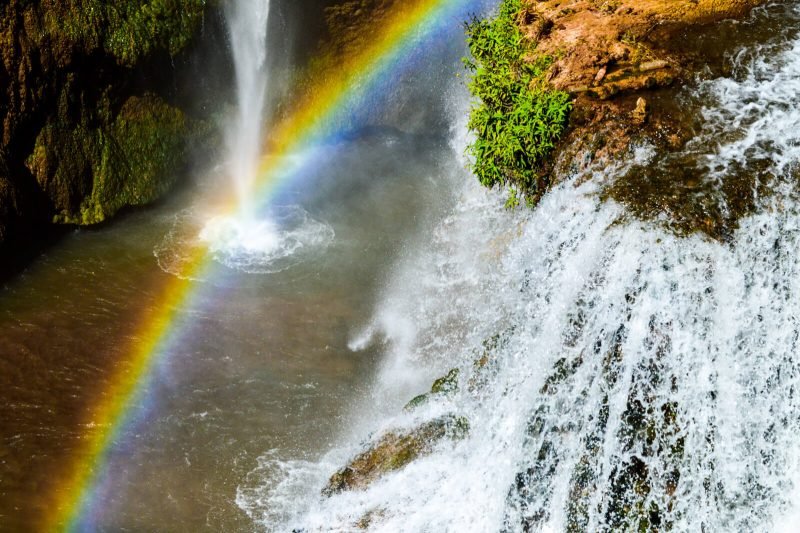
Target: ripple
<point>285,237</point>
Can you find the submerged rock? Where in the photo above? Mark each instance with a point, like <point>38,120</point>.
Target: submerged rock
<point>393,451</point>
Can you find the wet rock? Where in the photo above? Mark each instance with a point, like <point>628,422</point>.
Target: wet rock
<point>370,518</point>
<point>640,112</point>
<point>655,64</point>
<point>601,74</point>
<point>484,366</point>
<point>393,451</point>
<point>445,385</point>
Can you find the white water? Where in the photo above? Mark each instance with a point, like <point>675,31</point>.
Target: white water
<point>251,239</point>
<point>269,245</point>
<point>247,28</point>
<point>678,355</point>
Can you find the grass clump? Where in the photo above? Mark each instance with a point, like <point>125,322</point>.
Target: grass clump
<point>517,118</point>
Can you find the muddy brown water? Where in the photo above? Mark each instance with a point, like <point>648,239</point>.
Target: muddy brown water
<point>266,367</point>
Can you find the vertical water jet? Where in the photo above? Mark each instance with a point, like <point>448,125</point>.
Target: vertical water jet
<point>247,28</point>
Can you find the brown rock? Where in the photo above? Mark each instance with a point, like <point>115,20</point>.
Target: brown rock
<point>601,74</point>
<point>393,451</point>
<point>641,111</point>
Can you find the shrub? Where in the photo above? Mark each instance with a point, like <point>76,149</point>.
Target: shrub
<point>517,118</point>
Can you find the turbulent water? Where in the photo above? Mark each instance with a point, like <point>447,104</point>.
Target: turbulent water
<point>630,378</point>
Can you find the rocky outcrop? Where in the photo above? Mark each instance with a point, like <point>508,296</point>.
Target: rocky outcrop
<point>611,54</point>
<point>445,385</point>
<point>393,451</point>
<point>622,62</point>
<point>88,109</point>
<point>610,47</point>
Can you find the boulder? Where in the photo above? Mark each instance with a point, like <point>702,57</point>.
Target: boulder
<point>393,451</point>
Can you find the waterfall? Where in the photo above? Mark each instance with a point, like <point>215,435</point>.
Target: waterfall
<point>631,378</point>
<point>247,27</point>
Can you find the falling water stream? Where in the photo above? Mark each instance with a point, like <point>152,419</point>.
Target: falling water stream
<point>247,28</point>
<point>622,366</point>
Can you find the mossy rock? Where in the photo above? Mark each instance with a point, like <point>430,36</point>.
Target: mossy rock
<point>444,385</point>
<point>128,31</point>
<point>78,80</point>
<point>393,451</point>
<point>141,157</point>
<point>61,162</point>
<point>370,518</point>
<point>91,173</point>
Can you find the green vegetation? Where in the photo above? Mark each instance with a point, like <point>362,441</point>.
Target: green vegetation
<point>519,118</point>
<point>83,109</point>
<point>132,161</point>
<point>127,30</point>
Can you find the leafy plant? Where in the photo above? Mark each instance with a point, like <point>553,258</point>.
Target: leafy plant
<point>517,118</point>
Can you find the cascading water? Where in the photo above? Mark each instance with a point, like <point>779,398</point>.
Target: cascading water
<point>628,378</point>
<point>243,240</point>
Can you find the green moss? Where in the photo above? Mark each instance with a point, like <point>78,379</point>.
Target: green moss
<point>128,30</point>
<point>91,173</point>
<point>394,451</point>
<point>61,163</point>
<point>417,401</point>
<point>140,156</point>
<point>518,118</point>
<point>444,385</point>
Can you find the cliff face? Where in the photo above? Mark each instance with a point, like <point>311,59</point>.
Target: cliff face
<point>87,92</point>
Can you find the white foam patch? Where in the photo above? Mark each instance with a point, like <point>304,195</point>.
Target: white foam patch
<point>289,236</point>
<point>268,245</point>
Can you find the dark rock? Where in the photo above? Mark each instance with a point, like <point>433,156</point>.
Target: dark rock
<point>86,120</point>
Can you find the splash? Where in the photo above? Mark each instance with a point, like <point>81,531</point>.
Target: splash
<point>266,246</point>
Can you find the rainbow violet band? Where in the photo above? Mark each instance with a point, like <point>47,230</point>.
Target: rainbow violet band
<point>412,25</point>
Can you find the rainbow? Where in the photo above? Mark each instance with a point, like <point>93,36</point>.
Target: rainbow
<point>357,82</point>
